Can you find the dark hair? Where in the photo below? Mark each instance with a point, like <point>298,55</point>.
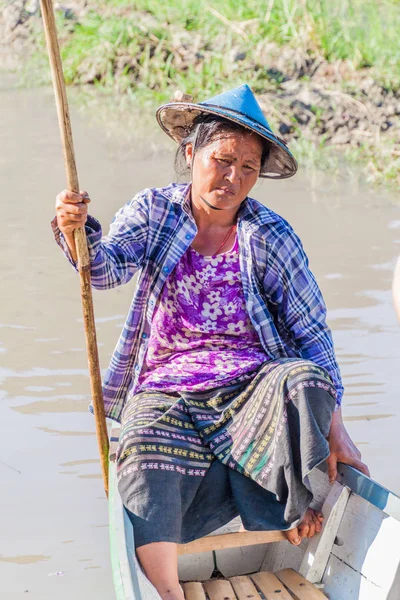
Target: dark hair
<point>206,129</point>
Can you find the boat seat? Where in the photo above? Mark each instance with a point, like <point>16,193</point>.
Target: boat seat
<point>283,585</point>
<point>239,539</point>
<point>232,535</point>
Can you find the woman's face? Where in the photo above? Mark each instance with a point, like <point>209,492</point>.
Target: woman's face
<point>224,171</point>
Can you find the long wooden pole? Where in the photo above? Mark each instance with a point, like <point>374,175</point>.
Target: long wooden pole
<point>79,234</point>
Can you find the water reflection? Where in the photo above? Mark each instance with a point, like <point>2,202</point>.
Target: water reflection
<point>366,417</point>
<point>24,560</point>
<point>361,403</point>
<point>66,433</point>
<point>56,404</point>
<point>73,463</point>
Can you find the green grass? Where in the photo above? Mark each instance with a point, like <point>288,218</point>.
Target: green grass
<point>139,52</point>
<point>364,32</point>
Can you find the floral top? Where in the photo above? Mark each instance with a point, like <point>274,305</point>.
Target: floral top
<point>201,335</point>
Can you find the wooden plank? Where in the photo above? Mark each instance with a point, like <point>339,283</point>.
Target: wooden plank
<point>244,588</point>
<point>300,588</point>
<point>193,590</point>
<point>219,589</point>
<point>270,586</point>
<point>230,540</point>
<point>195,567</point>
<point>319,548</point>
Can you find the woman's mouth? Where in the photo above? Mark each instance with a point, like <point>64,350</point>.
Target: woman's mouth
<point>227,191</point>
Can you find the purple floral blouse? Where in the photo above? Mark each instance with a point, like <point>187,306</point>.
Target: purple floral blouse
<point>201,335</point>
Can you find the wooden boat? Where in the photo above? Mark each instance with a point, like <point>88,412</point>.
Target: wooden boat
<point>355,557</point>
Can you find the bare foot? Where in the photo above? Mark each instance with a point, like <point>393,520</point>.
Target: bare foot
<point>310,525</point>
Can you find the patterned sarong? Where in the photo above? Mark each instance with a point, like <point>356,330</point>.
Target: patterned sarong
<point>188,463</point>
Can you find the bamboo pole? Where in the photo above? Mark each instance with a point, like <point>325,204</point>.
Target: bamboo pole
<point>79,234</point>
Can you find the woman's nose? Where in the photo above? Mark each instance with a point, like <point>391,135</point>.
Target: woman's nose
<point>233,174</point>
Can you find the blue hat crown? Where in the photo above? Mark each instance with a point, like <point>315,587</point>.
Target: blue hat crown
<point>240,101</point>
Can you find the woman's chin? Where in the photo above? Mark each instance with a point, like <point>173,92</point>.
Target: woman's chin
<point>223,200</point>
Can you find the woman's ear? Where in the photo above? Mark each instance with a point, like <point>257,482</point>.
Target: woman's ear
<point>189,154</point>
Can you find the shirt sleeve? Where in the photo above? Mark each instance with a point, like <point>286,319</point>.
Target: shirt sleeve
<point>116,257</point>
<point>299,306</point>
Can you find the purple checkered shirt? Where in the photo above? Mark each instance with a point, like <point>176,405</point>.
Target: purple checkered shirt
<point>151,233</point>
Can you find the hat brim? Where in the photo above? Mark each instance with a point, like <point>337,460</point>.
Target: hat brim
<point>176,119</point>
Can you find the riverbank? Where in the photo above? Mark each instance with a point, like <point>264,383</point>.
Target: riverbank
<point>327,74</point>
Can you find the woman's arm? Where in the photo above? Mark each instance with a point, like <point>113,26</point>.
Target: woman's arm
<point>114,258</point>
<point>302,313</point>
<point>342,448</point>
<point>298,305</point>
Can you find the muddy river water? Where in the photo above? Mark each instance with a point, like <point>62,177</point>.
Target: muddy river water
<point>53,521</point>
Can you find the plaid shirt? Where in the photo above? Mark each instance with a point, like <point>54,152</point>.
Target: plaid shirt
<point>151,233</point>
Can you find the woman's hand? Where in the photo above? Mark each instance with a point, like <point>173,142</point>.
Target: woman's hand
<point>71,211</point>
<point>342,448</point>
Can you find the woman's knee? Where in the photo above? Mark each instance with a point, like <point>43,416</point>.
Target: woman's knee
<point>159,561</point>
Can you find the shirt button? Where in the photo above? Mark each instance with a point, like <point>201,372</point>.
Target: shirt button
<point>165,269</point>
<point>188,236</point>
<point>144,335</point>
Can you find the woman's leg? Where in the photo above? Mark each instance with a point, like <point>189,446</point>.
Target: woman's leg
<point>159,561</point>
<point>277,437</point>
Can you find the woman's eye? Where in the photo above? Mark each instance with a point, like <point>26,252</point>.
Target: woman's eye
<point>249,167</point>
<point>225,161</point>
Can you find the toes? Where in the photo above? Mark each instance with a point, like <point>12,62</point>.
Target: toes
<point>310,525</point>
<point>304,529</point>
<point>311,530</point>
<point>317,520</point>
<point>293,536</point>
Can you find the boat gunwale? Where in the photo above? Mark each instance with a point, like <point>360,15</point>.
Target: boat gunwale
<point>373,492</point>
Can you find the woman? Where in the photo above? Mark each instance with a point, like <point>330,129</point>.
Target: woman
<point>224,378</point>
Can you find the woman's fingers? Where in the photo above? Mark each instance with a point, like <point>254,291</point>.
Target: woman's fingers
<point>77,218</point>
<point>67,197</point>
<point>85,196</point>
<point>71,209</point>
<point>332,467</point>
<point>352,461</point>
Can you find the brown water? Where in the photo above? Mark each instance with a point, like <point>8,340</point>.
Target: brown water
<point>54,537</point>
